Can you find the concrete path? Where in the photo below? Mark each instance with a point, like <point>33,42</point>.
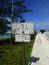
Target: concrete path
<point>45,42</point>
<point>39,55</point>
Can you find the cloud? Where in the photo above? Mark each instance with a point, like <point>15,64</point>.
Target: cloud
<point>8,19</point>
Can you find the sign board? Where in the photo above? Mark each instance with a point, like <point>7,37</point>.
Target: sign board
<point>22,38</point>
<point>22,28</point>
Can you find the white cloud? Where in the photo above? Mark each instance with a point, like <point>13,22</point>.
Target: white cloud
<point>8,19</point>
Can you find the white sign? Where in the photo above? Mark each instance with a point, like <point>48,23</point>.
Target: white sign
<point>22,28</point>
<point>22,38</point>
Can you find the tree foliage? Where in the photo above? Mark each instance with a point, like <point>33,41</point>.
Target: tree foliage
<point>6,10</point>
<point>42,31</point>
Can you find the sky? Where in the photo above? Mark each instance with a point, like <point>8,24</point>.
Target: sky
<point>40,14</point>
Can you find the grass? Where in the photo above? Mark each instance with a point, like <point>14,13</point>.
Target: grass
<point>12,54</point>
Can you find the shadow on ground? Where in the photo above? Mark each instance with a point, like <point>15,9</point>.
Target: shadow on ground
<point>33,60</point>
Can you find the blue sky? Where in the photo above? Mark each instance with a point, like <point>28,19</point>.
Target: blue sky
<point>40,14</point>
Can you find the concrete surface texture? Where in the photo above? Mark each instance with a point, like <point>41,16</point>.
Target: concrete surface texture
<point>45,43</point>
<point>39,55</point>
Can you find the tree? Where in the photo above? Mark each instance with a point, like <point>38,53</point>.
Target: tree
<point>4,25</point>
<point>13,10</point>
<point>42,31</point>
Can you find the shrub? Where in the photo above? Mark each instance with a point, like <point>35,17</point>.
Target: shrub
<point>42,31</point>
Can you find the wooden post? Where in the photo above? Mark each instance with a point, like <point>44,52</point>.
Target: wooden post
<point>23,53</point>
<point>12,22</point>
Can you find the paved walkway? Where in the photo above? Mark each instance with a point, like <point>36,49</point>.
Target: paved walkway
<point>39,55</point>
<point>45,42</point>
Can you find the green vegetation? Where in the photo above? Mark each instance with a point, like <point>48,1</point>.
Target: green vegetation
<point>42,31</point>
<point>2,39</point>
<point>12,54</point>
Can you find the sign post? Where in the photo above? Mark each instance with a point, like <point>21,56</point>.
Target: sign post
<point>22,33</point>
<point>23,53</point>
